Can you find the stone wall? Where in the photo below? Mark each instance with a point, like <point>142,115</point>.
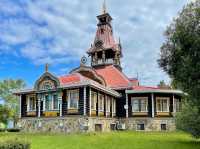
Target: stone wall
<point>75,124</point>
<point>78,124</point>
<point>150,124</point>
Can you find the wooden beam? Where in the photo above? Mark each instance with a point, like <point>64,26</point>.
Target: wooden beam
<point>84,101</point>
<point>39,112</point>
<point>60,105</point>
<point>90,106</point>
<point>20,106</point>
<point>152,105</point>
<point>126,105</point>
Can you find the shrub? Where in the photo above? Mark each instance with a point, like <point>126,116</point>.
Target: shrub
<point>188,120</point>
<point>14,144</point>
<point>13,130</point>
<point>2,130</point>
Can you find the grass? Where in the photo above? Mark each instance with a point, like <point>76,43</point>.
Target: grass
<point>115,140</point>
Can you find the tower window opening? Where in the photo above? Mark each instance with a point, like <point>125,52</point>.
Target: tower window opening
<point>102,31</point>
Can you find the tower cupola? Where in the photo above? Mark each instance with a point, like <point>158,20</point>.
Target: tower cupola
<point>104,50</point>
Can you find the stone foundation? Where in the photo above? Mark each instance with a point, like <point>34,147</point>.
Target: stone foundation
<point>73,124</point>
<point>150,124</point>
<point>78,124</point>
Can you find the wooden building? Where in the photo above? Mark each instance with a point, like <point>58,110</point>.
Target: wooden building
<point>99,97</point>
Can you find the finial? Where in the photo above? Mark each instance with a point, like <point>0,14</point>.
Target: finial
<point>104,7</point>
<point>119,40</point>
<point>46,67</point>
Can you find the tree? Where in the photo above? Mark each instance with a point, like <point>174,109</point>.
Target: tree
<point>6,93</point>
<point>5,114</point>
<point>180,58</point>
<point>163,85</point>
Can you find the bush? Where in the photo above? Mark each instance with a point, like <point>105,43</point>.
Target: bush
<point>188,120</point>
<point>14,144</point>
<point>13,130</point>
<point>2,130</point>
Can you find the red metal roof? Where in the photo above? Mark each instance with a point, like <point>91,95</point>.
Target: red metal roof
<point>134,81</point>
<point>113,77</point>
<point>104,33</point>
<point>71,78</point>
<point>140,88</point>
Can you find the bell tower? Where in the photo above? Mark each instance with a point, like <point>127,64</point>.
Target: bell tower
<point>104,50</point>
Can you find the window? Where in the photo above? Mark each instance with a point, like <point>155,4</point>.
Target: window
<point>112,127</point>
<point>93,100</point>
<point>140,126</point>
<point>98,127</point>
<point>101,102</point>
<point>73,99</point>
<point>163,127</point>
<point>139,104</point>
<point>55,102</point>
<point>31,103</point>
<point>177,105</point>
<point>48,103</point>
<point>162,104</point>
<point>108,104</point>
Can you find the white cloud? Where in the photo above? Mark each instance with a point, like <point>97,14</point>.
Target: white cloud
<point>61,31</point>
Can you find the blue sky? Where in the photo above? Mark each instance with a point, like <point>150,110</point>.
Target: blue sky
<point>58,32</point>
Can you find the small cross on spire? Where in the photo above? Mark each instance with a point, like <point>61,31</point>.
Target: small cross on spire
<point>46,67</point>
<point>104,7</point>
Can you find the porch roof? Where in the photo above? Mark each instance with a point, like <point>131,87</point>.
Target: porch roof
<point>74,85</point>
<point>142,89</point>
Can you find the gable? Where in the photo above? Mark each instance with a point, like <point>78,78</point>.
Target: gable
<point>46,81</point>
<point>90,73</point>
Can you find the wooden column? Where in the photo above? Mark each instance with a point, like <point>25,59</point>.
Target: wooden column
<point>103,57</point>
<point>174,105</point>
<point>60,105</point>
<point>39,112</point>
<point>97,107</point>
<point>96,58</point>
<point>152,105</point>
<point>20,106</point>
<point>90,106</point>
<point>106,102</point>
<point>112,107</point>
<point>84,101</point>
<point>126,106</point>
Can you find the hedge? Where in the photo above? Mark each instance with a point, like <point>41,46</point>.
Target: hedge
<point>14,144</point>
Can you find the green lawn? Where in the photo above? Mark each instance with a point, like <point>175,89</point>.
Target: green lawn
<point>116,140</point>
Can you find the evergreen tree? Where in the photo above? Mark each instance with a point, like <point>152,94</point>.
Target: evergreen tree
<point>180,58</point>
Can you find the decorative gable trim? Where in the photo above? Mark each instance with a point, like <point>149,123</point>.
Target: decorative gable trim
<point>89,73</point>
<point>47,77</point>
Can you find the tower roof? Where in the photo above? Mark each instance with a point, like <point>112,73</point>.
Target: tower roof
<point>104,38</point>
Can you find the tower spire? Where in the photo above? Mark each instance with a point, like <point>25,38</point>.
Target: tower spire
<point>46,67</point>
<point>104,7</point>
